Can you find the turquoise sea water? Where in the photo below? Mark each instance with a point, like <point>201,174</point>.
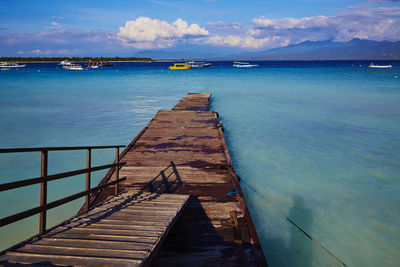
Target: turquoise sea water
<point>317,142</point>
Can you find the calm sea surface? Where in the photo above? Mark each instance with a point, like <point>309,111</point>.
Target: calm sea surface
<point>317,142</point>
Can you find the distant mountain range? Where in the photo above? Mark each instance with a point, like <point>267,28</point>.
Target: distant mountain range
<point>355,49</point>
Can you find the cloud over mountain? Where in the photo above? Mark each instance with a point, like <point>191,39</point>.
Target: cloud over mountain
<point>373,24</point>
<point>382,23</point>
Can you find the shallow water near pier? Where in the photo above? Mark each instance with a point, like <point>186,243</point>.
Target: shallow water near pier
<point>314,142</point>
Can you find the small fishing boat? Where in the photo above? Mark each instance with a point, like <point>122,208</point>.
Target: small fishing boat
<point>179,66</point>
<point>372,65</point>
<point>93,65</point>
<point>105,64</point>
<point>73,67</point>
<point>243,65</point>
<point>9,65</point>
<point>198,64</point>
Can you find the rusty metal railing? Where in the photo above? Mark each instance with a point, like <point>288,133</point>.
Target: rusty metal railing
<point>44,178</point>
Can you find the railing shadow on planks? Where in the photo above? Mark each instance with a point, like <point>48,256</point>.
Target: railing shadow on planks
<point>44,178</point>
<point>155,186</point>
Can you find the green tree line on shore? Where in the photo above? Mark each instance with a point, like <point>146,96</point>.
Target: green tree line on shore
<point>78,59</point>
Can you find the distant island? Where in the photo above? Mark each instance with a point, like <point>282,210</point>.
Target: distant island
<point>77,59</point>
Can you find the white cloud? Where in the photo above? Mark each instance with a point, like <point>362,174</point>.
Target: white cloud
<point>50,52</point>
<point>291,23</point>
<point>145,32</point>
<point>247,41</point>
<point>221,26</point>
<point>54,25</point>
<point>366,22</point>
<point>371,23</point>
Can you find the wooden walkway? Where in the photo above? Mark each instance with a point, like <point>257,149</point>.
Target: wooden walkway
<point>126,230</point>
<point>186,147</point>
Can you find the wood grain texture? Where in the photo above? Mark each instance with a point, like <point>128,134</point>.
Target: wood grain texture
<point>97,239</point>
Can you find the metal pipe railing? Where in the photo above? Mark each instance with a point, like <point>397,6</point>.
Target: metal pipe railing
<point>45,178</point>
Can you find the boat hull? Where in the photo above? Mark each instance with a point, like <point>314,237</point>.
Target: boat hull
<point>380,66</point>
<point>245,66</point>
<point>179,66</point>
<point>73,67</point>
<point>6,65</point>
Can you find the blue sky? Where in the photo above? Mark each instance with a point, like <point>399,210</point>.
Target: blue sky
<point>78,28</point>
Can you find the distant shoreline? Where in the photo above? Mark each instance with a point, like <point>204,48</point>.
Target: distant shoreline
<point>74,59</point>
<point>6,59</point>
<point>80,61</point>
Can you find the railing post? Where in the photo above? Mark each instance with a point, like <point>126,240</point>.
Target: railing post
<point>43,190</point>
<point>116,188</point>
<point>88,164</point>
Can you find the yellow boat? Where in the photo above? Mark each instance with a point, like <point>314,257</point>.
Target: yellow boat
<point>179,66</point>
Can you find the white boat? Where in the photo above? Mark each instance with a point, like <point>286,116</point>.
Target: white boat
<point>9,65</point>
<point>198,64</point>
<point>65,63</point>
<point>243,65</point>
<point>73,67</point>
<point>372,65</point>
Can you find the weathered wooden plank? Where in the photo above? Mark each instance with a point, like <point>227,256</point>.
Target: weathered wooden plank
<point>110,237</point>
<point>83,251</point>
<point>95,243</point>
<point>125,222</point>
<point>65,260</point>
<point>183,118</point>
<point>193,102</point>
<point>142,227</point>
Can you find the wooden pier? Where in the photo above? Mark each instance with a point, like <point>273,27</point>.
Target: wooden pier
<point>177,170</point>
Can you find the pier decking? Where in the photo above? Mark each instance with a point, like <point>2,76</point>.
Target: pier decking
<point>124,231</point>
<point>182,203</point>
<point>184,151</point>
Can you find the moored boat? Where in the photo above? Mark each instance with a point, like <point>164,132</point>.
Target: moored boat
<point>9,65</point>
<point>105,64</point>
<point>238,64</point>
<point>179,66</point>
<point>73,67</point>
<point>372,65</point>
<point>198,64</point>
<point>93,65</point>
